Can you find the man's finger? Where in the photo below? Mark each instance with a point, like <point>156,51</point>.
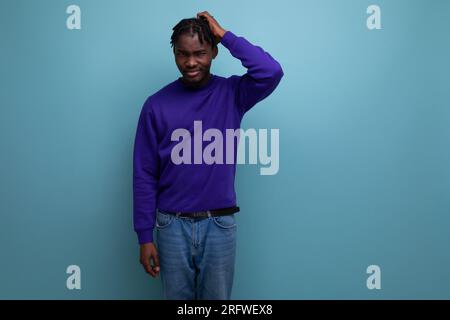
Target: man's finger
<point>155,262</point>
<point>148,268</point>
<point>204,14</point>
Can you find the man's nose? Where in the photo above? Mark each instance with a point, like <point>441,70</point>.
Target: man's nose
<point>191,62</point>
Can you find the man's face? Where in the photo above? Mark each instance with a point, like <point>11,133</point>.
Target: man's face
<point>193,59</point>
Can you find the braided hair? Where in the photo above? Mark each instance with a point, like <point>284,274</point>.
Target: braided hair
<point>192,26</point>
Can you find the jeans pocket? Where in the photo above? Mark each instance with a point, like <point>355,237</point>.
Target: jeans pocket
<point>163,220</point>
<point>226,222</point>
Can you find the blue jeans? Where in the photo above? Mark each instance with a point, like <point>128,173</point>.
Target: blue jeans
<point>196,256</point>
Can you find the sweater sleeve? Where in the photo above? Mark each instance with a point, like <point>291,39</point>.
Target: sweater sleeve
<point>145,175</point>
<point>263,71</point>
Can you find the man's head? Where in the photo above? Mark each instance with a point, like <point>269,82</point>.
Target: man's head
<point>194,48</point>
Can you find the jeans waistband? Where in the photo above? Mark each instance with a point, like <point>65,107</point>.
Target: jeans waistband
<point>204,214</point>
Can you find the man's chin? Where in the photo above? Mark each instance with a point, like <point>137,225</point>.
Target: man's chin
<point>196,78</point>
<point>193,81</point>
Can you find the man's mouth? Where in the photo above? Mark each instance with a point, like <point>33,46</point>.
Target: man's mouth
<point>192,74</point>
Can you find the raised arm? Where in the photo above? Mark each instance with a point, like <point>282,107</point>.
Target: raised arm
<point>263,71</point>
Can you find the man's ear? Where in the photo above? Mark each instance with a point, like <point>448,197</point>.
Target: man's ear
<point>215,51</point>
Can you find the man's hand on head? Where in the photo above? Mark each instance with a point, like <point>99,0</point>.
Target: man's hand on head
<point>149,258</point>
<point>216,29</point>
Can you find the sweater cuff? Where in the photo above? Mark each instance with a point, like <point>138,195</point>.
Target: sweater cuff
<point>145,236</point>
<point>228,39</point>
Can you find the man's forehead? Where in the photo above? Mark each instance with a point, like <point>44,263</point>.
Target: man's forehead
<point>191,42</point>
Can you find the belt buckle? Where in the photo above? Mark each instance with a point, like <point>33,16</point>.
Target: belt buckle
<point>198,214</point>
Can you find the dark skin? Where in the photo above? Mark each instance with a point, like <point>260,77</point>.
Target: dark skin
<point>190,55</point>
<point>194,58</point>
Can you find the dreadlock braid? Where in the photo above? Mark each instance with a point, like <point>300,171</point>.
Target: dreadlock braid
<point>192,26</point>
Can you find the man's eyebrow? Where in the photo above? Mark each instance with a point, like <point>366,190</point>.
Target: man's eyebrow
<point>196,51</point>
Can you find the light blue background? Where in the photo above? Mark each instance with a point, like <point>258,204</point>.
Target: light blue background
<point>364,119</point>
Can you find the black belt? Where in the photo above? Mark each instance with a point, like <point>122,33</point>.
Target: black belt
<point>204,214</point>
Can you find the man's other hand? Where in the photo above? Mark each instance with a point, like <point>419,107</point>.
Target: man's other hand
<point>149,259</point>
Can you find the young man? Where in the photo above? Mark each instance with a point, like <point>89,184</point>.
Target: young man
<point>181,187</point>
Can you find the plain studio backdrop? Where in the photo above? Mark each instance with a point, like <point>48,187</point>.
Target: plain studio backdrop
<point>364,122</point>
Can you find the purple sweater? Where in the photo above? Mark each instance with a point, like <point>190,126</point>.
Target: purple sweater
<point>221,103</point>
